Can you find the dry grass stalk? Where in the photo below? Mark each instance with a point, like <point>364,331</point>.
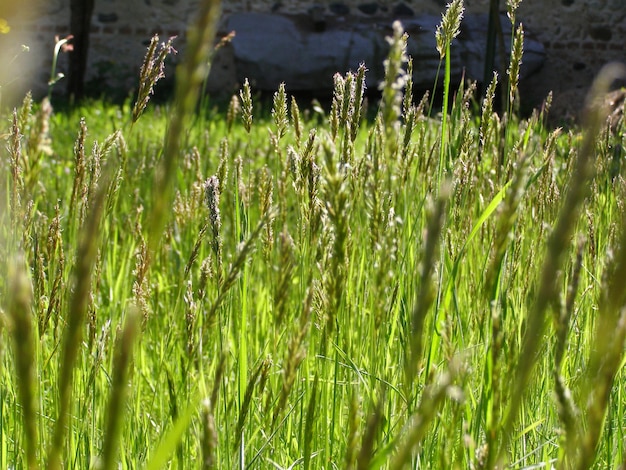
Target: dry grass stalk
<point>55,256</point>
<point>296,353</point>
<point>353,433</point>
<point>152,70</point>
<point>310,422</point>
<point>266,202</point>
<point>286,264</point>
<point>296,121</point>
<point>17,186</point>
<point>568,412</point>
<point>212,191</point>
<point>486,119</point>
<point>366,452</point>
<point>119,387</point>
<point>514,67</point>
<point>244,250</point>
<point>141,289</point>
<point>558,242</point>
<point>86,256</point>
<point>245,95</point>
<point>209,437</point>
<point>233,111</point>
<point>79,169</point>
<point>337,209</point>
<point>19,310</point>
<point>222,168</point>
<point>426,294</point>
<point>189,77</point>
<point>258,376</point>
<point>357,101</point>
<point>217,380</point>
<point>279,112</point>
<point>392,86</point>
<point>431,401</point>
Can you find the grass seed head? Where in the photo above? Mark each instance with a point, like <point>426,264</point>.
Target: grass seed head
<point>279,111</point>
<point>511,9</point>
<point>152,70</point>
<point>234,108</point>
<point>296,120</point>
<point>450,26</point>
<point>245,95</point>
<point>514,67</point>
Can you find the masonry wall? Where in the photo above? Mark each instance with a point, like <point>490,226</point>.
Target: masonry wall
<point>579,35</point>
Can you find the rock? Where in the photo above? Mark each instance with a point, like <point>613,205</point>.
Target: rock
<point>340,9</point>
<point>318,18</point>
<point>368,8</point>
<point>107,17</point>
<point>601,32</point>
<point>402,10</point>
<point>271,49</point>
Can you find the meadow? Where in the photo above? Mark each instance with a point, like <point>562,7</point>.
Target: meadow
<point>276,287</point>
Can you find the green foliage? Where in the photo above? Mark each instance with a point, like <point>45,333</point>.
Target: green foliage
<point>313,295</point>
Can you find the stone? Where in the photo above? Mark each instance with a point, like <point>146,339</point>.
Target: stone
<point>368,8</point>
<point>339,8</point>
<point>107,17</point>
<point>271,49</point>
<point>316,14</point>
<point>601,32</point>
<point>402,10</point>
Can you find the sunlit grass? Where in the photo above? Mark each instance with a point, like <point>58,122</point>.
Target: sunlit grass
<point>316,295</point>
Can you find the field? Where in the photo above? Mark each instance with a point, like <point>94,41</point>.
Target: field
<point>276,287</point>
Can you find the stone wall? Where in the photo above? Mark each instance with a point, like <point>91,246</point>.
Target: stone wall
<point>579,35</point>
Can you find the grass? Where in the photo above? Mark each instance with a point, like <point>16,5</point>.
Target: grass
<point>257,289</point>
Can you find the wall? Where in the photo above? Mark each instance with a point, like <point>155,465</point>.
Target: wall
<point>579,35</point>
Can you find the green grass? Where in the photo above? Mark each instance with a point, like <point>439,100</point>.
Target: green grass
<point>334,295</point>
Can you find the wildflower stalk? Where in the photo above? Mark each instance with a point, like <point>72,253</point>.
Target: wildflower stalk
<point>61,45</point>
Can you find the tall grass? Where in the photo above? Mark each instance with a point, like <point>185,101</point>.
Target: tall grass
<point>262,290</point>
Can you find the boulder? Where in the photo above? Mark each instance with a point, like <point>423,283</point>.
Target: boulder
<point>305,53</point>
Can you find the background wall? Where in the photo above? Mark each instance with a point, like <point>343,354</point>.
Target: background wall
<point>579,35</point>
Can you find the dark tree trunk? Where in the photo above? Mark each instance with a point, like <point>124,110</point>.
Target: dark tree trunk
<point>80,25</point>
